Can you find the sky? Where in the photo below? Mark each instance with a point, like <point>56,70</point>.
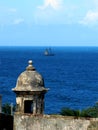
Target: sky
<point>48,23</point>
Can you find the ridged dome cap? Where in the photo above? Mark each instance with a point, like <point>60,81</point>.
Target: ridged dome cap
<point>30,80</point>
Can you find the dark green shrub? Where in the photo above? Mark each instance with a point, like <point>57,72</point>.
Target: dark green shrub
<point>89,112</point>
<point>6,108</point>
<point>69,112</point>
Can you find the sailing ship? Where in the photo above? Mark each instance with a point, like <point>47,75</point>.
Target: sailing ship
<point>48,52</point>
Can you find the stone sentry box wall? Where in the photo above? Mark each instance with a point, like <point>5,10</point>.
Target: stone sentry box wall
<point>47,122</point>
<point>30,91</point>
<point>29,115</point>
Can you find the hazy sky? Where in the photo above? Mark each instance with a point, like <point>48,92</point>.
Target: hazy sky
<point>49,22</point>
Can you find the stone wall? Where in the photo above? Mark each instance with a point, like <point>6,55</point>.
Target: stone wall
<point>50,122</point>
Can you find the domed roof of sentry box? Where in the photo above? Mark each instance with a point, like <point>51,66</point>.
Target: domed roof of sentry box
<point>30,80</point>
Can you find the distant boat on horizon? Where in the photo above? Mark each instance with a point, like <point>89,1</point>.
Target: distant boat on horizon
<point>48,52</point>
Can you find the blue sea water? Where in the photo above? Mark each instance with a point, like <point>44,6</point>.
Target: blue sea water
<point>71,74</point>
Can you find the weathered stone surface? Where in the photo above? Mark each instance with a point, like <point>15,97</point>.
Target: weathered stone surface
<point>93,125</point>
<point>30,80</point>
<point>47,122</point>
<point>30,91</point>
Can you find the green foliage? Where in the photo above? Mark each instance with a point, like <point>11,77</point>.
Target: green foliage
<point>6,108</point>
<point>89,112</point>
<point>69,112</point>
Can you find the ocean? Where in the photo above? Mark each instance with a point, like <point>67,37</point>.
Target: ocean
<point>71,74</point>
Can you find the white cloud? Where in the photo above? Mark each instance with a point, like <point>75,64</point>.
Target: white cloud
<point>67,12</point>
<point>90,18</point>
<point>55,4</point>
<point>50,12</point>
<point>18,21</point>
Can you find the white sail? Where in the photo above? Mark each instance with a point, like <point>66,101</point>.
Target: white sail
<point>48,52</point>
